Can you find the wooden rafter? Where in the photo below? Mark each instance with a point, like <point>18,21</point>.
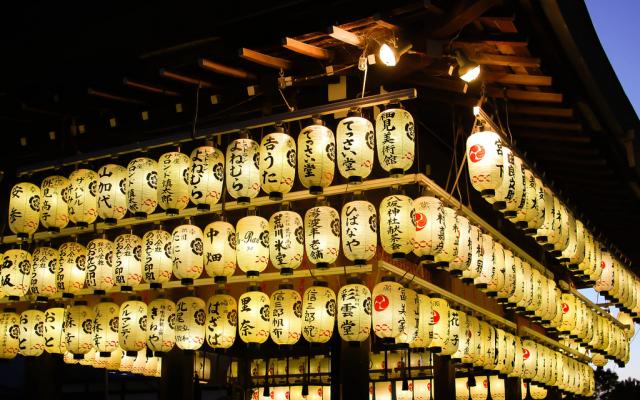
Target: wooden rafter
<point>505,60</point>
<point>345,36</point>
<point>461,14</point>
<point>538,135</point>
<point>516,79</point>
<point>165,73</point>
<point>222,69</point>
<point>149,88</point>
<point>525,95</point>
<point>536,123</point>
<point>516,108</point>
<point>264,59</point>
<point>306,49</point>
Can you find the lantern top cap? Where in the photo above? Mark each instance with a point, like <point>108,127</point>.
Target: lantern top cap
<point>8,309</point>
<point>354,112</point>
<point>285,285</point>
<point>320,283</point>
<point>253,288</point>
<point>135,297</point>
<point>106,299</point>
<point>354,280</point>
<point>221,290</point>
<point>388,278</point>
<point>80,303</point>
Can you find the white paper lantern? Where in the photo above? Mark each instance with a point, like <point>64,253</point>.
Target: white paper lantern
<point>132,331</point>
<point>252,244</point>
<point>355,141</point>
<point>81,197</point>
<point>395,140</point>
<point>105,327</point>
<point>277,164</point>
<point>410,326</point>
<point>430,227</point>
<point>359,231</point>
<point>207,176</point>
<point>242,170</point>
<point>286,316</point>
<point>187,249</point>
<point>220,250</point>
<point>627,320</point>
<point>174,169</point>
<point>483,280</point>
<point>253,316</point>
<point>222,320</point>
<point>99,273</point>
<point>54,211</point>
<point>54,338</point>
<point>9,334</point>
<point>161,321</point>
<point>423,339</point>
<point>286,241</point>
<point>15,274</point>
<point>142,186</point>
<point>504,198</point>
<point>439,324</point>
<point>606,281</point>
<point>316,157</point>
<point>45,268</point>
<point>463,248</point>
<point>450,242</point>
<point>128,263</point>
<point>523,191</point>
<point>516,194</point>
<point>318,313</point>
<point>496,282</point>
<point>477,251</point>
<point>112,193</point>
<point>397,230</point>
<point>157,257</point>
<point>322,235</point>
<point>126,362</point>
<point>389,309</point>
<point>191,316</point>
<point>24,209</point>
<point>31,333</point>
<point>78,328</point>
<point>140,361</point>
<point>530,359</point>
<point>485,160</point>
<point>354,312</point>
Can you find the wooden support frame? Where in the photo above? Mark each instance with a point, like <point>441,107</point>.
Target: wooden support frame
<point>226,70</point>
<point>525,95</point>
<point>165,73</point>
<point>505,60</point>
<point>541,124</point>
<point>306,49</point>
<point>264,59</point>
<point>515,108</point>
<point>345,36</point>
<point>149,88</point>
<point>516,79</point>
<point>114,97</point>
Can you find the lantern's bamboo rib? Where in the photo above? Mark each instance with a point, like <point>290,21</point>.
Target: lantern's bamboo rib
<point>538,337</point>
<point>567,288</point>
<point>265,277</point>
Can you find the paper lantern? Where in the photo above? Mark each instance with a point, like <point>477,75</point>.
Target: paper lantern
<point>191,315</point>
<point>87,359</point>
<point>161,321</point>
<point>496,281</point>
<point>252,244</point>
<point>354,312</point>
<point>605,283</point>
<point>397,228</point>
<point>78,328</point>
<point>54,211</point>
<point>530,359</point>
<point>99,273</point>
<point>423,338</point>
<point>151,366</point>
<point>477,250</point>
<point>318,313</point>
<point>220,250</point>
<point>450,242</point>
<point>546,229</point>
<point>389,309</point>
<point>68,358</point>
<point>316,157</point>
<point>15,274</point>
<point>222,320</point>
<point>516,195</point>
<point>439,324</point>
<point>207,176</point>
<point>31,334</point>
<point>81,197</point>
<point>54,338</point>
<point>142,186</point>
<point>286,315</point>
<point>112,193</point>
<point>105,326</point>
<point>355,140</point>
<point>429,226</point>
<point>187,247</point>
<point>253,316</point>
<point>126,362</point>
<point>9,334</point>
<point>140,361</point>
<point>395,140</point>
<point>456,321</point>
<point>45,268</point>
<point>625,319</point>
<point>536,213</point>
<point>516,295</point>
<point>24,209</point>
<point>409,328</point>
<point>486,274</point>
<point>522,192</point>
<point>174,169</point>
<point>128,264</point>
<point>277,164</point>
<point>509,286</point>
<point>485,160</point>
<point>463,248</point>
<point>286,241</point>
<point>322,235</point>
<point>132,331</point>
<point>359,231</point>
<point>242,170</point>
<point>157,257</point>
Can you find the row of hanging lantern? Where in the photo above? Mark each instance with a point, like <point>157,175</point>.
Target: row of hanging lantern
<point>138,364</point>
<point>504,180</point>
<point>294,392</point>
<point>177,179</point>
<point>493,387</point>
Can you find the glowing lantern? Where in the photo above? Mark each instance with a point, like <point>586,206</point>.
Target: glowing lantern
<point>253,316</point>
<point>439,324</point>
<point>456,321</point>
<point>222,320</point>
<point>286,315</point>
<point>318,313</point>
<point>463,249</point>
<point>187,247</point>
<point>9,334</point>
<point>277,163</point>
<point>207,176</point>
<point>132,330</point>
<point>496,282</point>
<point>45,267</point>
<point>395,138</point>
<point>359,231</point>
<point>625,319</point>
<point>174,169</point>
<point>68,358</point>
<point>482,281</point>
<point>409,328</point>
<point>99,274</point>
<point>140,361</point>
<point>105,326</point>
<point>509,286</point>
<point>126,362</point>
<point>128,265</point>
<point>54,339</point>
<point>529,359</point>
<point>429,226</point>
<point>423,338</point>
<point>220,250</point>
<point>78,329</point>
<point>475,266</point>
<point>142,186</point>
<point>191,316</point>
<point>15,273</point>
<point>24,209</point>
<point>316,157</point>
<point>354,312</point>
<point>523,191</point>
<point>151,366</point>
<point>322,235</point>
<point>485,160</point>
<point>397,228</point>
<point>450,242</point>
<point>161,319</point>
<point>87,359</point>
<point>355,140</point>
<point>516,194</point>
<point>81,197</point>
<point>112,193</point>
<point>54,211</point>
<point>157,257</point>
<point>389,309</point>
<point>546,229</point>
<point>31,333</point>
<point>243,174</point>
<point>605,283</point>
<point>286,241</point>
<point>252,244</point>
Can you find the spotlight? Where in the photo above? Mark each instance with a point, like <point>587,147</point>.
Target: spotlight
<point>389,53</point>
<point>467,70</point>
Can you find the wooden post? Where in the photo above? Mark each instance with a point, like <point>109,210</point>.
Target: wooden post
<point>512,388</point>
<point>177,376</point>
<point>444,370</point>
<point>40,377</point>
<point>353,370</point>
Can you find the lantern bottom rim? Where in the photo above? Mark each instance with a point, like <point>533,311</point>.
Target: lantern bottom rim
<point>155,285</point>
<point>481,285</point>
<point>510,214</point>
<point>219,279</point>
<point>203,207</point>
<point>355,180</point>
<point>140,215</point>
<point>286,271</point>
<point>487,193</point>
<point>322,265</point>
<point>126,288</point>
<point>441,264</point>
<point>172,211</point>
<point>492,294</point>
<point>316,190</point>
<point>243,200</point>
<point>78,356</point>
<point>99,292</point>
<point>104,354</point>
<point>110,221</point>
<point>186,281</point>
<point>252,274</point>
<point>467,281</point>
<point>13,298</point>
<point>53,229</point>
<point>426,259</point>
<point>360,261</point>
<point>131,353</point>
<point>521,225</point>
<point>275,196</point>
<point>41,298</point>
<point>66,295</point>
<point>82,224</point>
<point>398,256</point>
<point>396,172</point>
<point>499,205</point>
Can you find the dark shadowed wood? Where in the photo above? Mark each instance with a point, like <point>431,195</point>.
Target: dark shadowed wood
<point>306,49</point>
<point>264,59</point>
<point>221,69</point>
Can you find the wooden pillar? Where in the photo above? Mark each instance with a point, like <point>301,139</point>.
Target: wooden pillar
<point>40,377</point>
<point>353,370</point>
<point>444,370</point>
<point>512,389</point>
<point>177,376</point>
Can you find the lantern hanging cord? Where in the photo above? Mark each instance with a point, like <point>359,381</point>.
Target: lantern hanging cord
<point>195,115</point>
<point>286,103</point>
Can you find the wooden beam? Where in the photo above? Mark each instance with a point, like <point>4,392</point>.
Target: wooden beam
<point>481,40</point>
<point>461,14</point>
<point>264,59</point>
<point>535,123</point>
<point>551,137</point>
<point>505,60</point>
<point>516,79</point>
<point>525,95</point>
<point>184,79</point>
<point>221,69</point>
<point>345,36</point>
<point>306,49</point>
<point>114,97</point>
<point>594,161</point>
<point>515,108</point>
<point>149,88</point>
<point>504,24</point>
